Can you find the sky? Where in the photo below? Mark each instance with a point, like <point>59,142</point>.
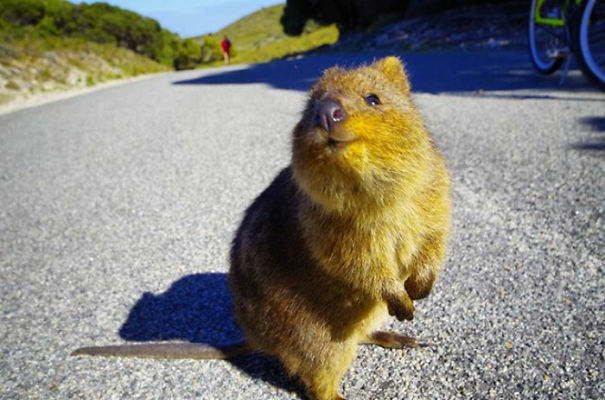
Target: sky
<point>192,17</point>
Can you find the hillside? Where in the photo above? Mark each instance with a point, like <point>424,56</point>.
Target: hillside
<point>259,37</point>
<point>32,68</point>
<point>50,45</point>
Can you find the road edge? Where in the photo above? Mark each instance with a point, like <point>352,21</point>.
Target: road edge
<point>45,98</point>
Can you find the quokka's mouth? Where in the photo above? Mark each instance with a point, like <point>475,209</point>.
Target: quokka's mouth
<point>338,138</point>
<point>335,140</point>
<point>335,144</point>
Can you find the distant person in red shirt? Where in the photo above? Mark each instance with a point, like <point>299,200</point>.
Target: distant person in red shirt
<point>226,48</point>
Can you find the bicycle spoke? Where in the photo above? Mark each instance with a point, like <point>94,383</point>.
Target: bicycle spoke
<point>597,37</point>
<point>549,30</point>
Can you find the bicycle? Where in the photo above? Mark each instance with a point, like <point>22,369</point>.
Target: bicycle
<point>558,28</point>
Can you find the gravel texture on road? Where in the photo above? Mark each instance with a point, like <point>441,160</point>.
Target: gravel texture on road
<point>117,209</point>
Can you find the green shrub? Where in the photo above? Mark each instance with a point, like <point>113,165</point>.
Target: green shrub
<point>188,55</point>
<point>45,75</point>
<point>98,22</point>
<point>22,12</point>
<point>210,49</point>
<point>12,85</point>
<point>47,27</point>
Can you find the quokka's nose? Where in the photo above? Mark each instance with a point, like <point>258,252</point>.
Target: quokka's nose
<point>329,114</point>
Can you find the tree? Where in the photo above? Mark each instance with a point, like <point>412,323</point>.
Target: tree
<point>22,12</point>
<point>348,15</point>
<point>211,49</point>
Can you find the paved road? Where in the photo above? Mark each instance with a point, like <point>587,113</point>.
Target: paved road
<point>117,209</point>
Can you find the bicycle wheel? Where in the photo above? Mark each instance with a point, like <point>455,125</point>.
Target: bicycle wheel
<point>545,41</point>
<point>590,42</point>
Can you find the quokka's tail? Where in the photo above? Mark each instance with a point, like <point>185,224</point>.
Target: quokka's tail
<point>167,350</point>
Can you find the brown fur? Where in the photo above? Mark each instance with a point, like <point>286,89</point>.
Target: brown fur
<point>355,229</point>
<point>345,234</point>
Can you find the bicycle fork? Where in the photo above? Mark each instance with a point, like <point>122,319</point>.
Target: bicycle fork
<point>569,51</point>
<point>570,18</point>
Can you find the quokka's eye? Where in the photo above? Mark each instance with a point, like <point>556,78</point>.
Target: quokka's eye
<point>372,100</point>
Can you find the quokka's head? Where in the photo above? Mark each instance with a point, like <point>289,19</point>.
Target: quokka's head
<point>360,140</point>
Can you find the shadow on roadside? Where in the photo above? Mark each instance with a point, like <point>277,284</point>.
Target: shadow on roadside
<point>434,72</point>
<point>597,124</point>
<point>596,142</point>
<point>197,309</point>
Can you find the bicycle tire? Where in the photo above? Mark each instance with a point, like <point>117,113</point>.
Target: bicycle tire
<point>589,65</point>
<point>541,65</point>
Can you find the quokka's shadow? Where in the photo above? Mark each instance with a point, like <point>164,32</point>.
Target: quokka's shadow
<point>197,308</point>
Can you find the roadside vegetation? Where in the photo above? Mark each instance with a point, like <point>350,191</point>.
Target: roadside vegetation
<point>49,45</point>
<point>41,21</point>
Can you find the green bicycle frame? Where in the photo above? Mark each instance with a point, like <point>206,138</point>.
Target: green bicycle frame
<point>552,21</point>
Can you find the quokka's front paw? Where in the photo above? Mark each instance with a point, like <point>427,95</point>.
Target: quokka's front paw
<point>401,306</point>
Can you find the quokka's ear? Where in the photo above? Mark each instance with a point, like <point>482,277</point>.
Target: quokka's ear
<point>393,69</point>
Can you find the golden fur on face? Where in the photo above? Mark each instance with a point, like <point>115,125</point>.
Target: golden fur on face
<point>388,147</point>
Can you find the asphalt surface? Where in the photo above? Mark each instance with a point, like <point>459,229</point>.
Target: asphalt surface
<point>117,209</point>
